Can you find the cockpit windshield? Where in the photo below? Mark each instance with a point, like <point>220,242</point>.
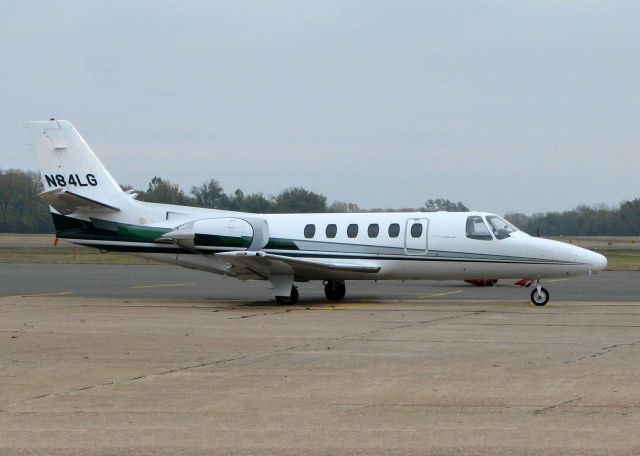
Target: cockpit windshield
<point>500,227</point>
<point>477,229</point>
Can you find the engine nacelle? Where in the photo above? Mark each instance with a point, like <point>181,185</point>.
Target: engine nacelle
<point>212,234</point>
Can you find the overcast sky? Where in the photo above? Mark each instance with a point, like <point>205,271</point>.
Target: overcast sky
<point>504,105</point>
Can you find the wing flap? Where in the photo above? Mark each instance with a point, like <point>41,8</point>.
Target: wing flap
<point>66,202</point>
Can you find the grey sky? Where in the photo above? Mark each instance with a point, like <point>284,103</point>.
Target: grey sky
<point>504,105</point>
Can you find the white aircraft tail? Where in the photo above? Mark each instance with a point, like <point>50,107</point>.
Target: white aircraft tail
<point>73,177</point>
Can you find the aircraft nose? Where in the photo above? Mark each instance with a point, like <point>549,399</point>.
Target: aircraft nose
<point>596,261</point>
<point>600,263</point>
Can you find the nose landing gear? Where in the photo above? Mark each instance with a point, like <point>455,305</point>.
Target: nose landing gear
<point>539,295</point>
<point>334,289</point>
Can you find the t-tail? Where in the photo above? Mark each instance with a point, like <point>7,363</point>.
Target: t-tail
<point>73,178</point>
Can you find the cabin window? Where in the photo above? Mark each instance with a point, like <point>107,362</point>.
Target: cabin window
<point>500,227</point>
<point>477,229</point>
<point>394,230</point>
<point>309,231</point>
<point>373,230</point>
<point>352,230</point>
<point>416,230</point>
<point>331,230</point>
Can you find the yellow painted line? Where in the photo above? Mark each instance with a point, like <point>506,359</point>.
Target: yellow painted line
<point>35,295</point>
<point>351,305</point>
<point>446,293</point>
<point>555,280</point>
<point>355,305</point>
<point>166,285</point>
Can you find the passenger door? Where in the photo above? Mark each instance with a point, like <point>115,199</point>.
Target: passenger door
<point>416,234</point>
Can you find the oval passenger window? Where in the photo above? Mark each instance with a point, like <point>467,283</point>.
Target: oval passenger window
<point>373,230</point>
<point>352,230</point>
<point>309,231</point>
<point>416,230</point>
<point>331,230</point>
<point>394,230</point>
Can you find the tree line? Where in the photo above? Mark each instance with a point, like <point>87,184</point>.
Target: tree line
<point>21,211</point>
<point>600,220</point>
<point>291,200</point>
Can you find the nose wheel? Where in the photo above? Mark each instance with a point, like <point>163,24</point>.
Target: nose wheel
<point>334,290</point>
<point>539,295</point>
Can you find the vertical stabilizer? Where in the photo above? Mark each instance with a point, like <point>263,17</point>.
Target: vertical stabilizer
<point>67,164</point>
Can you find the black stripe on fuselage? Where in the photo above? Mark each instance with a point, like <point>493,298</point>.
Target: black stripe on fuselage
<point>329,255</point>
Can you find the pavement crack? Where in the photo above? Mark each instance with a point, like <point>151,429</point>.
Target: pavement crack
<point>241,317</point>
<point>165,372</point>
<point>603,351</point>
<point>561,404</point>
<point>408,325</point>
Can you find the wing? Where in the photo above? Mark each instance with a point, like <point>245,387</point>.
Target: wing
<point>267,264</point>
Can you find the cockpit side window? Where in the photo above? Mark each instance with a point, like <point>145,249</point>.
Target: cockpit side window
<point>500,227</point>
<point>477,229</point>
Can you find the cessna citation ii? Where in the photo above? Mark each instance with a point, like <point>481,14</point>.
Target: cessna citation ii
<point>89,208</point>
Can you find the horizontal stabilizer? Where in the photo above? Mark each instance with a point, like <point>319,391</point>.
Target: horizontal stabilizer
<point>260,261</point>
<point>66,202</point>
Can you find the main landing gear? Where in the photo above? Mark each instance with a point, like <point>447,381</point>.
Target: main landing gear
<point>334,290</point>
<point>539,295</point>
<point>291,299</point>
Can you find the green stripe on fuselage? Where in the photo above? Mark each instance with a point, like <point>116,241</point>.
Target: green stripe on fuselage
<point>142,233</point>
<point>281,244</point>
<point>101,230</point>
<point>212,240</point>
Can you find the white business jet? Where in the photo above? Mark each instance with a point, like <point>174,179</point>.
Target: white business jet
<point>89,208</point>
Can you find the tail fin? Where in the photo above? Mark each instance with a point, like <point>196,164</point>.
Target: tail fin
<point>73,177</point>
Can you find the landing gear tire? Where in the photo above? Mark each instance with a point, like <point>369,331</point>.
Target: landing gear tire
<point>334,290</point>
<point>540,297</point>
<point>289,300</point>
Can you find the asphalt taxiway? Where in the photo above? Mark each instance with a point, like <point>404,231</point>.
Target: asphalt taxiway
<point>148,281</point>
<point>160,360</point>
